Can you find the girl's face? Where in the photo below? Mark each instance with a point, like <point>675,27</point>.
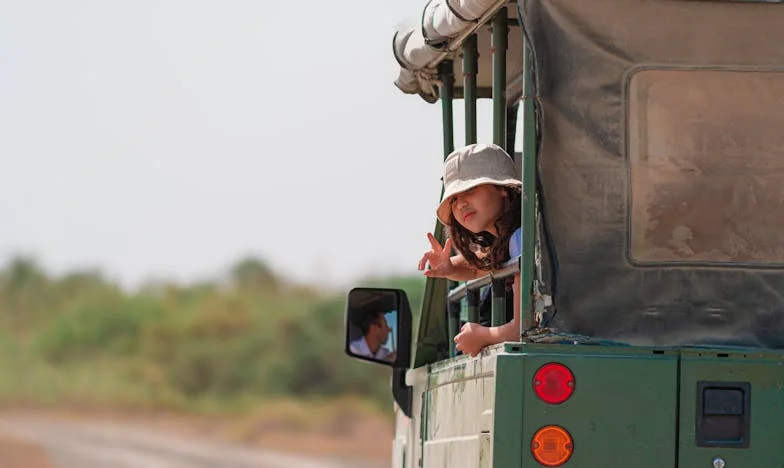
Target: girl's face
<point>479,208</point>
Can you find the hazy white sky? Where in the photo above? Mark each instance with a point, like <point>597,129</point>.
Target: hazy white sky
<point>167,139</point>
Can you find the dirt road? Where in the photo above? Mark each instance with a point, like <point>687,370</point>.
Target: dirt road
<point>74,444</point>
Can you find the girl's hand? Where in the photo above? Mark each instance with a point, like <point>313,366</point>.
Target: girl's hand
<point>438,257</point>
<point>472,338</point>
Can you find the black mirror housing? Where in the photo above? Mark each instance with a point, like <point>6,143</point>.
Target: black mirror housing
<point>378,326</point>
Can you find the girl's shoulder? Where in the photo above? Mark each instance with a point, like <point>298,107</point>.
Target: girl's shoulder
<point>515,243</point>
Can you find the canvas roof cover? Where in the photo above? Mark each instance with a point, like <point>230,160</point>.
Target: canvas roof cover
<point>439,34</point>
<point>662,166</point>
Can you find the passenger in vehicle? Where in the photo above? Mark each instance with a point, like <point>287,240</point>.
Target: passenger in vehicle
<point>375,331</point>
<point>481,210</point>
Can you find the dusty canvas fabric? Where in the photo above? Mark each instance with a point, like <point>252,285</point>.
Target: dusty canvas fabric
<point>663,167</point>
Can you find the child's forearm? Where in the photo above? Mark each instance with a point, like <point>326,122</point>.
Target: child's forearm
<point>462,270</point>
<point>509,331</point>
<point>462,274</point>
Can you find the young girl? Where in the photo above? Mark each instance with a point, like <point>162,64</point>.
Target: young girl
<point>481,209</point>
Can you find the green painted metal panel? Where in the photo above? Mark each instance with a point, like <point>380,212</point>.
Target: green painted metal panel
<point>508,411</point>
<point>764,371</point>
<point>632,406</point>
<point>623,412</point>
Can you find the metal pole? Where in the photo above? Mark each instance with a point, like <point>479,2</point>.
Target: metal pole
<point>447,77</point>
<point>498,306</point>
<point>472,301</point>
<point>470,70</point>
<point>453,322</point>
<point>447,91</point>
<point>529,199</point>
<point>500,43</point>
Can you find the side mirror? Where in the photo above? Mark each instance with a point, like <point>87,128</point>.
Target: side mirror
<point>378,326</point>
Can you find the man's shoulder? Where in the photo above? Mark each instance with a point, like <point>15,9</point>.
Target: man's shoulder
<point>357,346</point>
<point>383,352</point>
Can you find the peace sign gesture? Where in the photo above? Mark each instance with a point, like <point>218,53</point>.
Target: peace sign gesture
<point>438,258</point>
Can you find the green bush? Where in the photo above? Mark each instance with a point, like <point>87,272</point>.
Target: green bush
<point>252,336</point>
<point>111,328</point>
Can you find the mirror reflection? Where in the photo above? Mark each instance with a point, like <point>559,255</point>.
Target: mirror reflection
<point>372,325</point>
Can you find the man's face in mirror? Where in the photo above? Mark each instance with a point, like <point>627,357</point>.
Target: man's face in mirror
<point>380,329</point>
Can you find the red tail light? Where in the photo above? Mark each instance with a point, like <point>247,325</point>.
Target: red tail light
<point>553,383</point>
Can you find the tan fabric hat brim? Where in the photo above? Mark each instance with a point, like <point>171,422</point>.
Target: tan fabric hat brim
<point>473,165</point>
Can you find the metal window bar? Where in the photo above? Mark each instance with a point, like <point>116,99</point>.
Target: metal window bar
<point>500,42</point>
<point>447,92</point>
<point>528,216</point>
<point>498,281</point>
<point>472,305</point>
<point>524,264</point>
<point>470,70</point>
<point>509,269</point>
<point>498,313</point>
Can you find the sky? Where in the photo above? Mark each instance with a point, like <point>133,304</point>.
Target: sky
<point>167,139</point>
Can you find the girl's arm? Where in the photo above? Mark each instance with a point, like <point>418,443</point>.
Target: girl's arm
<point>438,263</point>
<point>461,270</point>
<point>474,337</point>
<point>509,331</point>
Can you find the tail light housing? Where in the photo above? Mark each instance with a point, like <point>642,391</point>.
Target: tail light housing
<point>552,446</point>
<point>553,383</point>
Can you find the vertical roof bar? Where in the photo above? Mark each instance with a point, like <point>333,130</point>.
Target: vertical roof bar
<point>472,301</point>
<point>453,322</point>
<point>498,306</point>
<point>447,92</point>
<point>528,219</point>
<point>470,70</point>
<point>500,44</point>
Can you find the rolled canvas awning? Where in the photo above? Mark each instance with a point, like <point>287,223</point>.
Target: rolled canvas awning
<point>444,26</point>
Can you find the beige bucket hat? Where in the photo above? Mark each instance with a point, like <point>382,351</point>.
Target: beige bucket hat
<point>475,165</point>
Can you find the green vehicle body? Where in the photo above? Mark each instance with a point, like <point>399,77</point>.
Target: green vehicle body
<point>716,403</point>
<point>632,406</point>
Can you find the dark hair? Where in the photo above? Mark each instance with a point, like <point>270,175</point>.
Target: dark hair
<point>495,249</point>
<point>368,320</point>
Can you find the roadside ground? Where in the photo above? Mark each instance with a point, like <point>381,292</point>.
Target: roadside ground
<point>16,453</point>
<point>356,436</point>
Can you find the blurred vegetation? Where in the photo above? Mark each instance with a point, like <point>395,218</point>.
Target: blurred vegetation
<point>222,346</point>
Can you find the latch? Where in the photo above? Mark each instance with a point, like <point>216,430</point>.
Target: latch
<point>723,414</point>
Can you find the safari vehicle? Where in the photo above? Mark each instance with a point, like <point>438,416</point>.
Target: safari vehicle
<point>652,327</point>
